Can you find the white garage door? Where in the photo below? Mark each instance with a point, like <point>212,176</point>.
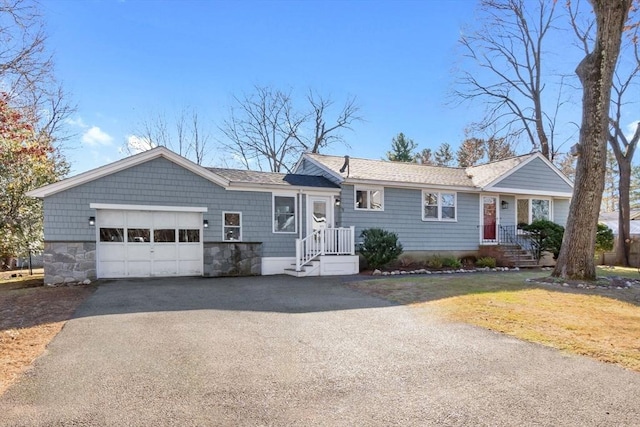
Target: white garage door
<point>133,243</point>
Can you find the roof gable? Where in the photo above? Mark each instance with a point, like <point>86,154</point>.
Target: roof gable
<point>535,174</point>
<point>486,174</point>
<point>127,163</point>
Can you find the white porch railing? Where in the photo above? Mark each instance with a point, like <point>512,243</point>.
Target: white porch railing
<point>325,241</point>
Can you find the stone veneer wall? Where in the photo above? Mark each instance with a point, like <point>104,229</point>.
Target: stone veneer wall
<point>232,259</point>
<point>69,262</point>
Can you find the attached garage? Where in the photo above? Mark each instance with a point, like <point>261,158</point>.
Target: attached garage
<point>148,241</point>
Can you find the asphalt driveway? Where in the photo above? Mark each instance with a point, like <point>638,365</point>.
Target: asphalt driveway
<point>285,351</point>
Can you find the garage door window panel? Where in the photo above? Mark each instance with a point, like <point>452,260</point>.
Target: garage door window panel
<point>164,235</point>
<point>112,234</point>
<point>189,236</point>
<point>138,235</point>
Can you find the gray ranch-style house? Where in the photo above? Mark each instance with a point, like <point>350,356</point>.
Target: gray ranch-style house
<point>158,214</point>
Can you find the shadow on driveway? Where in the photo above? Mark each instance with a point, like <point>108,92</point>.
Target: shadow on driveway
<point>282,294</point>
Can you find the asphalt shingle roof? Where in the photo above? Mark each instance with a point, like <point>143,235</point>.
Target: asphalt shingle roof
<point>412,173</point>
<point>482,175</point>
<point>272,178</point>
<point>380,170</point>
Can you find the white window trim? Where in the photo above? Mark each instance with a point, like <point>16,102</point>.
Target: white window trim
<point>530,213</point>
<point>369,189</point>
<point>224,213</point>
<point>439,193</point>
<point>295,212</point>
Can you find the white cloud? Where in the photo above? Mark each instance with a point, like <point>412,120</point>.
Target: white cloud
<point>96,136</point>
<point>631,129</point>
<point>77,122</point>
<point>137,144</point>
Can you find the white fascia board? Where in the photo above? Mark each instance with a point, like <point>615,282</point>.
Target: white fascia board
<point>286,188</point>
<point>529,192</point>
<point>123,164</point>
<point>408,185</point>
<point>155,208</point>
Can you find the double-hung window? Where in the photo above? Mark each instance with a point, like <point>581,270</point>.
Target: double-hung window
<point>371,199</point>
<point>284,214</point>
<point>232,226</point>
<point>439,206</point>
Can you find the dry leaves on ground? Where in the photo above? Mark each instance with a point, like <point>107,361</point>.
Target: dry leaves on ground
<point>30,317</point>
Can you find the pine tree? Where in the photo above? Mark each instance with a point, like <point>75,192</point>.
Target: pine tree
<point>402,149</point>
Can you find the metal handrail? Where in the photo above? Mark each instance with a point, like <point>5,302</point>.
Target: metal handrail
<point>513,235</point>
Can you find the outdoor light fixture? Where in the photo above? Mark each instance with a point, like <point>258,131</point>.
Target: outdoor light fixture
<point>205,223</point>
<point>504,204</point>
<point>337,201</point>
<point>92,220</point>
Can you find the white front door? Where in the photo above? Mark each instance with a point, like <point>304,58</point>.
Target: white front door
<point>319,213</point>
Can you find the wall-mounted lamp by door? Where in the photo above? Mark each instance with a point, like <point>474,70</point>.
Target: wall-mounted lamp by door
<point>92,220</point>
<point>504,204</point>
<point>205,223</point>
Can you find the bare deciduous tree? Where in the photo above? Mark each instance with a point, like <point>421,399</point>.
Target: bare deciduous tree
<point>470,152</point>
<point>508,50</point>
<point>498,149</point>
<point>444,155</point>
<point>265,130</point>
<point>27,71</point>
<point>186,135</point>
<point>622,97</point>
<point>326,134</point>
<point>595,71</point>
<point>425,157</point>
<point>263,127</point>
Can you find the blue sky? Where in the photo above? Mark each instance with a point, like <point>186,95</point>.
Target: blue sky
<point>126,61</point>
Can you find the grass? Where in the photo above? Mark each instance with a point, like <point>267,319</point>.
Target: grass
<point>600,323</point>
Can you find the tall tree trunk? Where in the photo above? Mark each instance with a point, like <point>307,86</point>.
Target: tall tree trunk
<point>623,244</point>
<point>596,75</point>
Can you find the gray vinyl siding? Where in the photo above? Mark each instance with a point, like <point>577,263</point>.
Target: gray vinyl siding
<point>403,215</point>
<point>561,211</point>
<point>508,215</point>
<point>161,182</point>
<point>535,176</point>
<point>308,168</point>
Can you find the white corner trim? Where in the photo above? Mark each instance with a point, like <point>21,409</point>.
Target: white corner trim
<point>154,208</point>
<point>127,163</point>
